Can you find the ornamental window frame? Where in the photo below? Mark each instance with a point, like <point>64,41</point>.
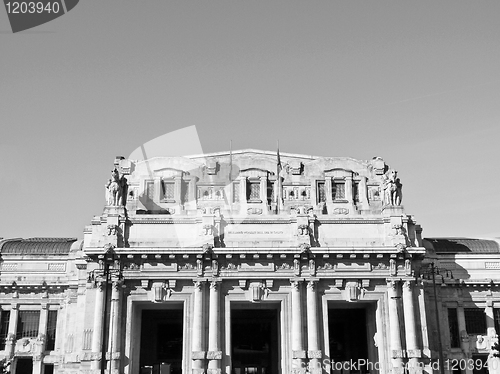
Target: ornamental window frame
<point>321,191</point>
<point>30,326</point>
<point>167,190</point>
<point>475,321</point>
<point>253,191</point>
<point>339,191</point>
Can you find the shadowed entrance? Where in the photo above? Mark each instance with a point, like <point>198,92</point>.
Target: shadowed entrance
<point>161,341</point>
<point>255,348</point>
<point>348,337</point>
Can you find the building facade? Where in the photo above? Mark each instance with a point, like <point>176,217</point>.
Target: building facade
<point>250,262</point>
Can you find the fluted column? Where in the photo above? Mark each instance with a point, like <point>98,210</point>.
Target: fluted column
<point>412,348</point>
<point>42,325</point>
<point>313,351</point>
<point>97,333</point>
<point>298,353</point>
<point>214,355</point>
<point>114,337</point>
<point>198,353</point>
<point>11,335</point>
<point>394,326</point>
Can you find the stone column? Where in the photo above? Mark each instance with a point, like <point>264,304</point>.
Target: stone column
<point>198,353</point>
<point>493,362</point>
<point>412,348</point>
<point>394,326</point>
<point>178,190</point>
<point>363,193</point>
<point>328,189</point>
<point>214,354</point>
<point>298,352</point>
<point>192,198</point>
<point>314,193</point>
<point>97,333</point>
<point>464,337</point>
<point>42,326</point>
<point>349,196</point>
<point>40,344</point>
<point>11,335</point>
<point>243,190</point>
<point>263,194</point>
<point>114,321</point>
<point>313,351</point>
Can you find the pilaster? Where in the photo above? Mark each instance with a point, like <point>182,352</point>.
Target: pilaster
<point>298,352</point>
<point>198,351</point>
<point>394,326</point>
<point>97,331</point>
<point>313,346</point>
<point>214,354</point>
<point>413,350</point>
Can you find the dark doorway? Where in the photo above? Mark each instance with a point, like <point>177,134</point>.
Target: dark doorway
<point>24,366</point>
<point>161,341</point>
<point>348,337</point>
<point>254,341</point>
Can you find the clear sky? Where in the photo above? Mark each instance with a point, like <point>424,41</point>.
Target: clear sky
<point>417,83</point>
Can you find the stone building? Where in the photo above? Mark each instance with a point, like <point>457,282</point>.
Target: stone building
<point>249,263</point>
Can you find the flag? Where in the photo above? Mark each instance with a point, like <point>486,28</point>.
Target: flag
<point>230,161</point>
<point>279,187</point>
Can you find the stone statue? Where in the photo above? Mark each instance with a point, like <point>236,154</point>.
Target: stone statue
<point>392,188</point>
<point>116,189</point>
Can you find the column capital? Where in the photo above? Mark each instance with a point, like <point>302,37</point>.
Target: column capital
<point>295,283</point>
<point>312,284</point>
<point>408,285</point>
<point>14,306</point>
<point>215,284</point>
<point>198,284</point>
<point>100,285</point>
<point>118,284</point>
<point>392,284</point>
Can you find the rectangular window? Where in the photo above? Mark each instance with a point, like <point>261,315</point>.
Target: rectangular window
<point>254,191</point>
<point>321,192</point>
<point>150,190</point>
<point>453,326</point>
<point>496,317</point>
<point>4,327</point>
<point>236,192</point>
<point>51,330</point>
<point>27,324</point>
<point>168,191</point>
<point>475,321</point>
<point>338,191</point>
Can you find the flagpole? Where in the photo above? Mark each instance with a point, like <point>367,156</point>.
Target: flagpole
<point>230,185</point>
<point>230,161</point>
<point>279,188</point>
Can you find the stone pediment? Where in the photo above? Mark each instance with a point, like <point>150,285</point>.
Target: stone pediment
<point>336,165</point>
<point>161,165</point>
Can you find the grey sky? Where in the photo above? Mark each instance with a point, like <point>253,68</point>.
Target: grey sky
<point>415,83</point>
